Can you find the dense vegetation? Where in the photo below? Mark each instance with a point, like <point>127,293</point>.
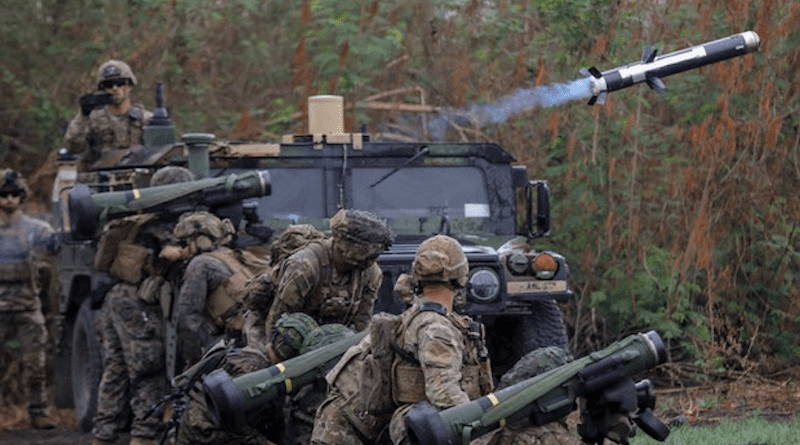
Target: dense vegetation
<point>678,213</point>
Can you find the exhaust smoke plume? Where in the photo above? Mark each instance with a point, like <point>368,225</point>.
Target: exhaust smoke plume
<point>502,109</point>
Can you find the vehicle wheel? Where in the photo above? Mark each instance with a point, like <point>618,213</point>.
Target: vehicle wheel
<point>62,380</point>
<point>511,337</point>
<point>87,366</point>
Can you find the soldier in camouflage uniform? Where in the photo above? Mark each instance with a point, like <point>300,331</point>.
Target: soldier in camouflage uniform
<point>441,357</point>
<point>335,280</point>
<point>209,304</point>
<point>131,323</point>
<point>523,433</point>
<point>21,239</point>
<point>108,130</point>
<point>294,334</point>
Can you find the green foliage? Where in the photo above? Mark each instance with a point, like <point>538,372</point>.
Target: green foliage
<point>754,430</point>
<point>675,212</point>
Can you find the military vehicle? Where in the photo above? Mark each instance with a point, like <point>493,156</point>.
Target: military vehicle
<point>471,191</point>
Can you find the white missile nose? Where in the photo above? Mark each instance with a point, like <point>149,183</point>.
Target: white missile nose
<point>751,40</point>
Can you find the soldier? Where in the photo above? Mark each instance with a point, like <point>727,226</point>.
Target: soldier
<point>293,335</point>
<point>209,304</point>
<point>107,122</point>
<point>131,322</point>
<point>440,357</point>
<point>335,280</point>
<point>21,239</point>
<point>554,433</point>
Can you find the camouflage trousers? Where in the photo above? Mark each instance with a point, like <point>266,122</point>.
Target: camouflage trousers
<point>29,328</point>
<point>554,433</point>
<point>336,423</point>
<point>134,372</point>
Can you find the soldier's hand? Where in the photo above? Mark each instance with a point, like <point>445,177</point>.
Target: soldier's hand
<point>171,253</point>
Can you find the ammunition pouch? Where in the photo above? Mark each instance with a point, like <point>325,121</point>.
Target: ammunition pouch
<point>408,383</point>
<point>130,262</point>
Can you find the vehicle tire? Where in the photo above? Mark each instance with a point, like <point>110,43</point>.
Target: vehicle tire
<point>62,380</point>
<point>511,337</point>
<point>87,366</point>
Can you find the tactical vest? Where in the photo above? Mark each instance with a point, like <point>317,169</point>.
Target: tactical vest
<point>225,302</point>
<point>339,302</point>
<point>408,380</point>
<point>15,247</point>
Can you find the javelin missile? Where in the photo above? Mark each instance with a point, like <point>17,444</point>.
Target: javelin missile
<point>233,400</point>
<point>88,211</point>
<point>603,378</point>
<point>652,69</point>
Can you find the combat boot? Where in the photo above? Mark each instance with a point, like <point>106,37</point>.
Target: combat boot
<point>43,422</point>
<point>141,441</point>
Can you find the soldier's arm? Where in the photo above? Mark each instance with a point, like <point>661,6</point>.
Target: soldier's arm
<point>440,351</point>
<point>297,278</point>
<point>202,276</point>
<point>363,315</point>
<point>75,138</point>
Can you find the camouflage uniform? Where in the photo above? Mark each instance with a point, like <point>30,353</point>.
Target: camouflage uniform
<point>313,281</point>
<point>554,433</point>
<point>21,239</point>
<point>131,325</point>
<point>443,360</point>
<point>294,334</point>
<point>101,132</point>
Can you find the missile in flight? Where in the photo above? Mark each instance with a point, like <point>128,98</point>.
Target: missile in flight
<point>653,68</point>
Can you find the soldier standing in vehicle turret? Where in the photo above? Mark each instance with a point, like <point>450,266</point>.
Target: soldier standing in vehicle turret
<point>107,121</point>
<point>21,239</point>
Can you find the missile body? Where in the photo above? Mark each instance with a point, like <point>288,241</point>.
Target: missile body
<point>651,69</point>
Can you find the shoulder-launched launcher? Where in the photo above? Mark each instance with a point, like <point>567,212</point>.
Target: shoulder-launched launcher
<point>89,211</point>
<point>602,380</point>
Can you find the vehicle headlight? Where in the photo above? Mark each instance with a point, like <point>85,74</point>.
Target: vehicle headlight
<point>484,285</point>
<point>517,263</point>
<point>544,266</point>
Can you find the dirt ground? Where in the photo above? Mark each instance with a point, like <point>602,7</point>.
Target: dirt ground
<point>709,404</point>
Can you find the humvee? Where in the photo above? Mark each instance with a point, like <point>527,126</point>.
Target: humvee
<point>474,192</point>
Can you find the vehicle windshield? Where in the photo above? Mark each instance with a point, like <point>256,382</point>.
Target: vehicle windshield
<point>413,200</point>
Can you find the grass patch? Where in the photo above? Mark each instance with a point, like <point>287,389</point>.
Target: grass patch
<point>750,431</point>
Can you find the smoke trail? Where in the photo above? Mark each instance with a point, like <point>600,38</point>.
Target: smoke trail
<point>502,109</point>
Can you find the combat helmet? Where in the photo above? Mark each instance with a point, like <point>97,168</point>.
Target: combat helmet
<point>440,259</point>
<point>204,229</point>
<point>171,174</point>
<point>325,335</point>
<point>290,332</point>
<point>360,236</point>
<point>534,363</point>
<point>115,69</point>
<point>13,182</point>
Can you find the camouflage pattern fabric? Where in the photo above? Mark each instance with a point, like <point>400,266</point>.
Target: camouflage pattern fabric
<point>439,347</point>
<point>29,328</point>
<point>555,433</point>
<point>309,283</point>
<point>133,364</point>
<point>21,240</point>
<point>198,426</point>
<point>195,329</point>
<point>534,363</point>
<point>102,132</point>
